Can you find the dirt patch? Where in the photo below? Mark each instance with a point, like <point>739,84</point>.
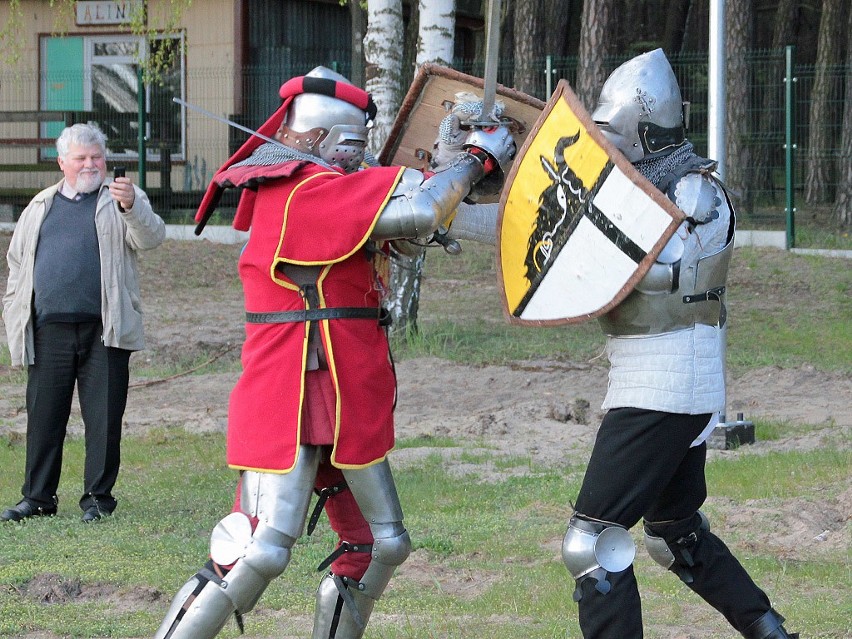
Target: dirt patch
<point>51,588</point>
<point>543,412</point>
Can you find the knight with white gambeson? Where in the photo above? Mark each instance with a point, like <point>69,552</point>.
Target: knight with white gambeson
<point>666,346</point>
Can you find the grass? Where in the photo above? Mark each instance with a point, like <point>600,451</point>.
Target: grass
<point>784,310</point>
<point>486,553</point>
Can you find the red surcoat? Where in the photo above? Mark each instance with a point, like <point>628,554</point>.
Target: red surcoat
<point>314,217</point>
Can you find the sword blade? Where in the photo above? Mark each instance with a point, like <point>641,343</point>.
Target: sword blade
<point>219,118</point>
<point>492,58</point>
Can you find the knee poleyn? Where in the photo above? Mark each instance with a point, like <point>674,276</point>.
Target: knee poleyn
<point>394,550</point>
<point>592,549</point>
<point>672,544</point>
<point>257,557</point>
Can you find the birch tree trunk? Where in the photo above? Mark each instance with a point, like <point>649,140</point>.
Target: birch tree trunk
<point>437,37</point>
<point>382,50</point>
<point>435,42</point>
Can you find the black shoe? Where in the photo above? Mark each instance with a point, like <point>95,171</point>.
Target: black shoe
<point>769,626</point>
<point>25,510</point>
<point>93,514</point>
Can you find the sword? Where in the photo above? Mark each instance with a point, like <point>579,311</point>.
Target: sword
<point>492,55</point>
<point>219,118</point>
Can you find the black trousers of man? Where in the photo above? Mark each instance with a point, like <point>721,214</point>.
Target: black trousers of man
<point>642,466</point>
<point>67,354</point>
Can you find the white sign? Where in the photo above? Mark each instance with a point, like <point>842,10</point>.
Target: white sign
<point>118,12</point>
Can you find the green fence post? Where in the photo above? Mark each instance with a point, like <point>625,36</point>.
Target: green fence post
<point>140,120</point>
<point>790,147</point>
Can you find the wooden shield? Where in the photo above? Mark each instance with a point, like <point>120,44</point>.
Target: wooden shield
<point>578,226</point>
<point>431,94</point>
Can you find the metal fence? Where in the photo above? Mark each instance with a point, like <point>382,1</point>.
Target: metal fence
<point>762,202</point>
<point>175,179</point>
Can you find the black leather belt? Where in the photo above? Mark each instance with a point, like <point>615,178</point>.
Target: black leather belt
<point>314,314</point>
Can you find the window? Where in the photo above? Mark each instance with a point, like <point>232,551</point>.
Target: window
<point>99,76</point>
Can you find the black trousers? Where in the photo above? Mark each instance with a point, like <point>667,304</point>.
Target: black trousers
<point>67,354</point>
<point>642,466</point>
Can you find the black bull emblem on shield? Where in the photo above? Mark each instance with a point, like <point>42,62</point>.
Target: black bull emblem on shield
<point>561,207</point>
<point>555,209</point>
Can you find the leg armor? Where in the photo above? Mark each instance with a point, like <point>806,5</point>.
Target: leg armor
<point>256,557</point>
<point>591,549</point>
<point>676,557</point>
<point>343,605</point>
<point>703,562</point>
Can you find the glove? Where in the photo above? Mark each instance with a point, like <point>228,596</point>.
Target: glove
<point>455,127</point>
<point>496,143</point>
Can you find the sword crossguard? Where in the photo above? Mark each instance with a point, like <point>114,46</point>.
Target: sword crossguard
<point>514,125</point>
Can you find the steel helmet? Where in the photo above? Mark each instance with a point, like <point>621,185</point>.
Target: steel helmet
<point>640,109</point>
<point>328,117</point>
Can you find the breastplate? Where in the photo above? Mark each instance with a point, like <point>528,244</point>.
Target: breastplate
<point>699,299</point>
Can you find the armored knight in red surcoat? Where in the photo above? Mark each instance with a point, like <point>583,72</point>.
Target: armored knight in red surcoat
<point>313,408</point>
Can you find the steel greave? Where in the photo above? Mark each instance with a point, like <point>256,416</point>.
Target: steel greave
<point>203,615</point>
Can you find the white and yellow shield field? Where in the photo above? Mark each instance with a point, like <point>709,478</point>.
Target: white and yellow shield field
<point>578,226</point>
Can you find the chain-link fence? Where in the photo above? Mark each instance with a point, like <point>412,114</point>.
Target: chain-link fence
<point>184,148</point>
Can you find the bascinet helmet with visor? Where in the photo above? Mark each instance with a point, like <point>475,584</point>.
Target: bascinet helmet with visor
<point>640,109</point>
<point>328,117</point>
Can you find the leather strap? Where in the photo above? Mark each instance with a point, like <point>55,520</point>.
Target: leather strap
<point>324,494</point>
<point>315,314</point>
<point>712,294</point>
<point>343,548</point>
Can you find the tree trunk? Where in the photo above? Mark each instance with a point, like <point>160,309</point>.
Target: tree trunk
<point>435,42</point>
<point>359,30</point>
<point>819,164</point>
<point>382,47</point>
<point>437,37</point>
<point>677,12</point>
<point>595,37</point>
<point>507,40</point>
<point>738,34</point>
<point>843,201</point>
<point>528,45</point>
<point>556,16</point>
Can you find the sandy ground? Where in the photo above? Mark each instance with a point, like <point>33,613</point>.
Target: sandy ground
<point>547,411</point>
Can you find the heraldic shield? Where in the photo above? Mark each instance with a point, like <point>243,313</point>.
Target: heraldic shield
<point>579,226</point>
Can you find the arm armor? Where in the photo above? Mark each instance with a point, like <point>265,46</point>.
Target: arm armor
<point>700,199</point>
<point>663,275</point>
<point>418,206</point>
<point>475,222</point>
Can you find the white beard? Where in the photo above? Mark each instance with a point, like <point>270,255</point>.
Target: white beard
<point>88,181</point>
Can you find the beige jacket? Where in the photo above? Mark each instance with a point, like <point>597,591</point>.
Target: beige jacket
<point>120,235</point>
